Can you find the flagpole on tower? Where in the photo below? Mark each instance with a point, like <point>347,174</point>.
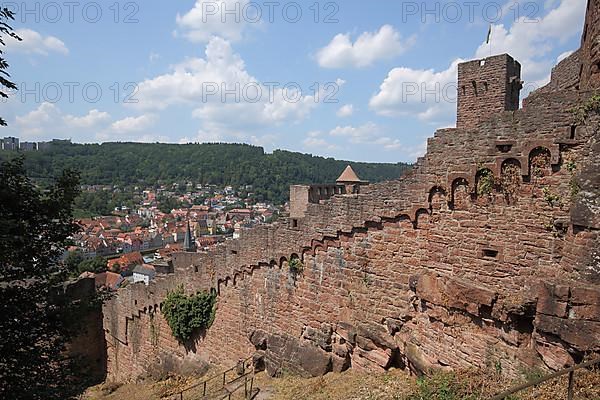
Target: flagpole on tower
<point>489,39</point>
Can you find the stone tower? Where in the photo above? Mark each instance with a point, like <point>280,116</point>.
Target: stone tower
<point>189,244</point>
<point>487,87</point>
<point>590,48</point>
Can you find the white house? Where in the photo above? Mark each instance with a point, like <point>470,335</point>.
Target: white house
<point>143,273</point>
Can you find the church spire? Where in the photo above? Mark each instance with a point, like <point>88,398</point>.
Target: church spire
<point>189,244</point>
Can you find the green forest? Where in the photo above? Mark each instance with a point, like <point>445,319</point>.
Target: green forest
<point>153,164</point>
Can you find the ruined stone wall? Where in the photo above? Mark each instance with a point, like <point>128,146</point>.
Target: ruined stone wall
<point>487,87</point>
<point>565,75</point>
<point>590,47</point>
<point>486,253</point>
<point>87,348</point>
<point>418,272</point>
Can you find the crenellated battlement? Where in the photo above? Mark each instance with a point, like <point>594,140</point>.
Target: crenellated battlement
<point>487,87</point>
<point>474,257</point>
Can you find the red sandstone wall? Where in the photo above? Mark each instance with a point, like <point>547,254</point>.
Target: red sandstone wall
<point>413,286</point>
<point>590,47</point>
<point>420,272</point>
<point>487,87</point>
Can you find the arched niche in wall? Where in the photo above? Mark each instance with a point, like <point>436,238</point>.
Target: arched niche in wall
<point>421,218</point>
<point>460,194</point>
<point>485,183</point>
<point>511,177</point>
<point>539,163</point>
<point>437,199</point>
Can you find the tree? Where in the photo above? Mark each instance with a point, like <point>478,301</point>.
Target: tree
<point>5,84</point>
<point>96,264</point>
<point>167,204</point>
<point>35,226</point>
<point>73,259</point>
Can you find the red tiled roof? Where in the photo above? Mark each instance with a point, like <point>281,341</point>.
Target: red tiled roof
<point>127,260</point>
<point>108,279</point>
<point>348,176</point>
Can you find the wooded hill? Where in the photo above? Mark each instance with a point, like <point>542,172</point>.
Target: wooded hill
<point>148,165</point>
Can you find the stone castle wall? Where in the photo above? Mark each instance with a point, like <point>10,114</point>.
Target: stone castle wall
<point>487,87</point>
<point>590,47</point>
<point>423,272</point>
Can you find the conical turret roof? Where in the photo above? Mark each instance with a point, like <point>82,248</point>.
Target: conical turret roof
<point>348,176</point>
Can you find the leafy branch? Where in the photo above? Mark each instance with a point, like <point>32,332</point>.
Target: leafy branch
<point>6,16</point>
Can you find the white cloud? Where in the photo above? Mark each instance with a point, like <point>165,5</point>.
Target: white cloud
<point>48,122</point>
<point>204,137</point>
<point>189,80</point>
<point>368,48</point>
<point>431,95</point>
<point>368,133</point>
<point>32,124</point>
<point>211,18</point>
<point>315,139</point>
<point>345,111</point>
<point>133,124</point>
<point>532,41</point>
<point>92,119</point>
<point>426,94</point>
<point>268,141</point>
<point>110,136</point>
<point>564,55</point>
<point>251,106</point>
<point>34,43</point>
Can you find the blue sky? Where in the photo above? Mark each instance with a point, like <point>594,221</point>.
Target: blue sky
<point>364,81</point>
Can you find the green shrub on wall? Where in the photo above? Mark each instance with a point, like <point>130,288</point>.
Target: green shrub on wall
<point>185,314</point>
<point>295,265</point>
<point>485,182</point>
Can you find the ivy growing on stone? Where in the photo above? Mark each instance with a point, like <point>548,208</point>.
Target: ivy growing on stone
<point>187,314</point>
<point>511,181</point>
<point>295,266</point>
<point>540,162</point>
<point>485,182</point>
<point>582,112</point>
<point>551,198</point>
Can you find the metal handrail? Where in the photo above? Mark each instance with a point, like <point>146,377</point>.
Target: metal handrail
<point>247,392</point>
<point>221,374</point>
<point>543,379</point>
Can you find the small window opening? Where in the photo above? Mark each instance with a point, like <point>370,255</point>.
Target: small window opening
<point>234,252</point>
<point>490,253</point>
<point>294,223</point>
<point>573,129</point>
<point>195,268</point>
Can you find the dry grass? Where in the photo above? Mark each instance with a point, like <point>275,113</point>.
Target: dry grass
<point>587,386</point>
<point>353,385</point>
<point>350,385</point>
<point>397,385</point>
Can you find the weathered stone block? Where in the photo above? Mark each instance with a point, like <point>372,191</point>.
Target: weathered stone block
<point>584,335</point>
<point>552,300</point>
